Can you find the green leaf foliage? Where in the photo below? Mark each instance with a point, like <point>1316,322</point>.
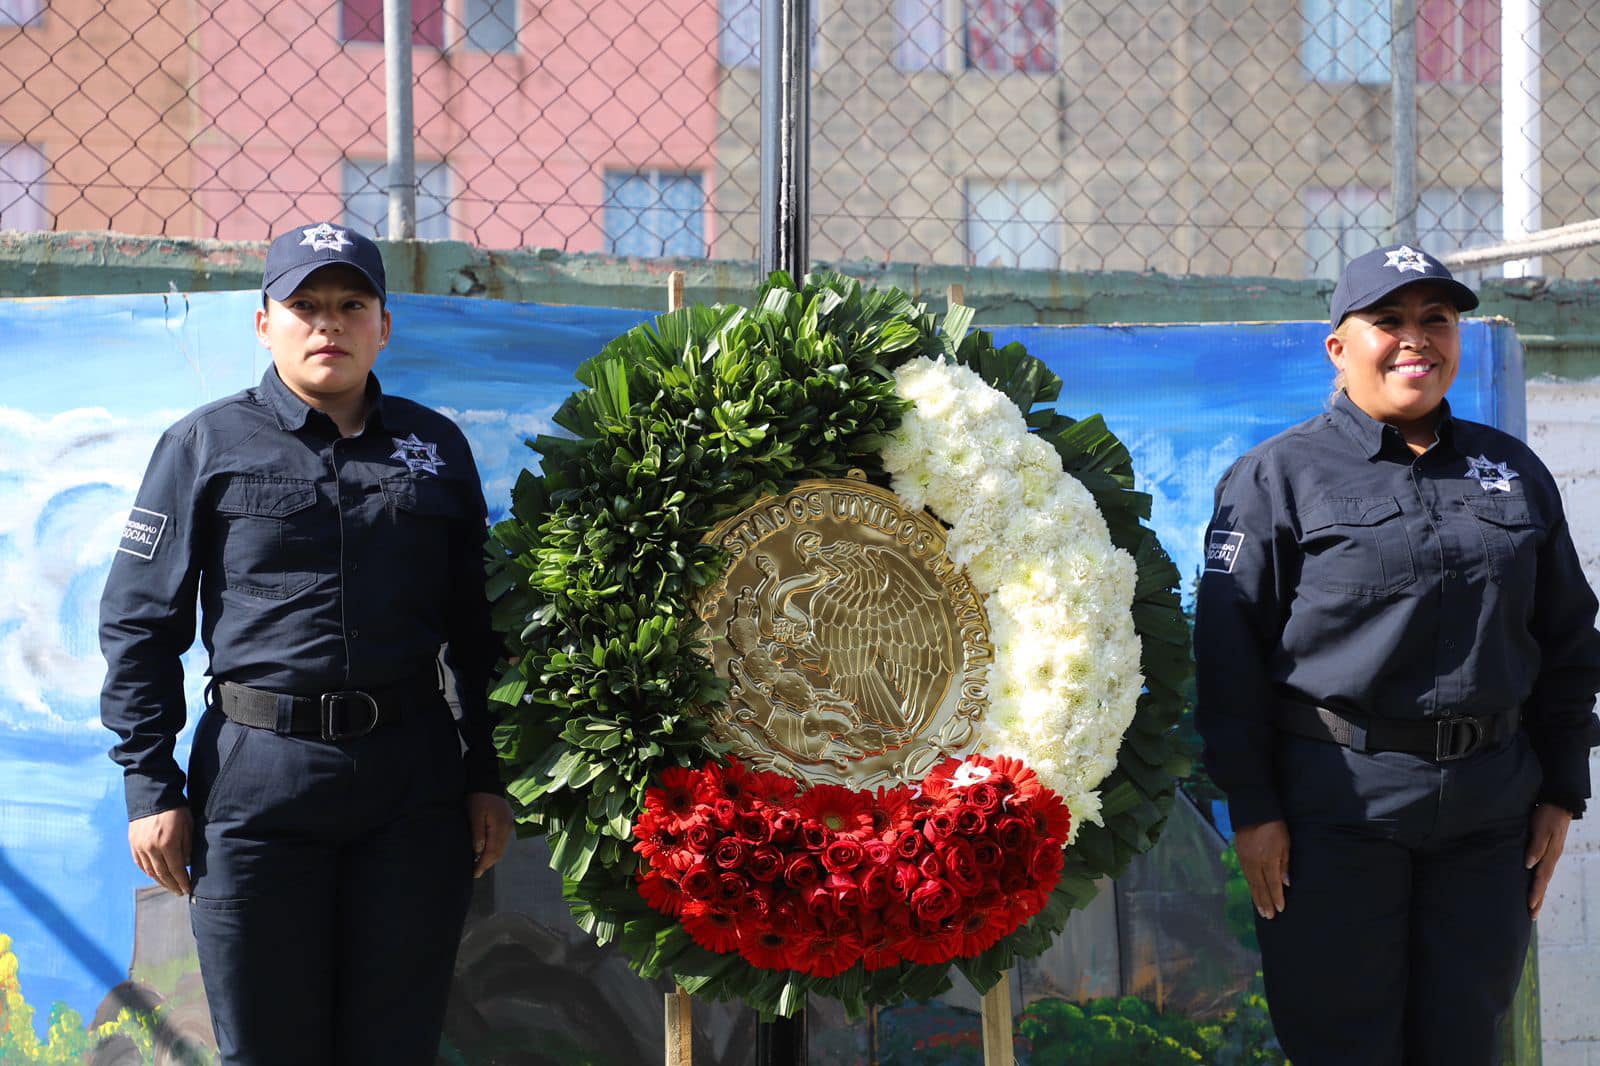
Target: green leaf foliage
<point>681,423</point>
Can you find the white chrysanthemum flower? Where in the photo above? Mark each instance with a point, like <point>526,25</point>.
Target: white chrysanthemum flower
<point>1065,680</point>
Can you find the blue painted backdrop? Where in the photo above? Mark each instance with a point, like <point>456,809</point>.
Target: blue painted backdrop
<point>87,384</point>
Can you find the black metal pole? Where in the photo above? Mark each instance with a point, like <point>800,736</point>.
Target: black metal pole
<point>785,136</point>
<point>782,1041</point>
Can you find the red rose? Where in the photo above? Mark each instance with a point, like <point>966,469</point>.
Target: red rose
<point>931,866</point>
<point>785,824</point>
<point>877,888</point>
<point>1014,876</point>
<point>1012,833</point>
<point>764,864</point>
<point>987,854</point>
<point>842,856</point>
<point>985,796</point>
<point>877,852</point>
<point>905,877</point>
<point>909,845</point>
<point>1045,867</point>
<point>699,882</point>
<point>846,892</point>
<point>961,867</point>
<point>802,872</point>
<point>814,835</point>
<point>731,889</point>
<point>729,854</point>
<point>939,826</point>
<point>934,901</point>
<point>752,827</point>
<point>970,821</point>
<point>700,837</point>
<point>724,814</point>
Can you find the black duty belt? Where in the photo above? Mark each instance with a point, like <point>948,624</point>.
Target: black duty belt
<point>1445,739</point>
<point>332,716</point>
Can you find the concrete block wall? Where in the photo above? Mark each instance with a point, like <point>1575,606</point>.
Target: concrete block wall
<point>1564,427</point>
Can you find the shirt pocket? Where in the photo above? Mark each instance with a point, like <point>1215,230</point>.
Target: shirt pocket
<point>423,509</point>
<point>1510,536</point>
<point>1358,546</point>
<point>259,514</point>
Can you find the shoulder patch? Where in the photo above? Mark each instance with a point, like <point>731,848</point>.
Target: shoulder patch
<point>1222,550</point>
<point>142,533</point>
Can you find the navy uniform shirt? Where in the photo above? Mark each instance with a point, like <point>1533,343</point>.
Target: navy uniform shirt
<point>321,563</point>
<point>1343,570</point>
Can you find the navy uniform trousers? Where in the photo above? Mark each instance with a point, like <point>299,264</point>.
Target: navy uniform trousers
<point>1407,872</point>
<point>331,881</point>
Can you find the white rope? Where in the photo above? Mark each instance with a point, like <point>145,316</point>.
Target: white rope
<point>1560,239</point>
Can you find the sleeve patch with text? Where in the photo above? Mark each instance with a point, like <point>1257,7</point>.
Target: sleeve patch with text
<point>1222,550</point>
<point>142,533</point>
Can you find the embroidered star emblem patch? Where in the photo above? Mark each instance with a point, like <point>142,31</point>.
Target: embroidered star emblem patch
<point>323,237</point>
<point>1492,476</point>
<point>1406,258</point>
<point>418,455</point>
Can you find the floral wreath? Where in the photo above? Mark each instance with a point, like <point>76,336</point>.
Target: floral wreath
<point>733,880</point>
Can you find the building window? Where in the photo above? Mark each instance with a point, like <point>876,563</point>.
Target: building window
<point>739,41</point>
<point>365,187</point>
<point>1458,41</point>
<point>1012,224</point>
<point>1350,40</point>
<point>490,25</point>
<point>1346,40</point>
<point>1011,35</point>
<point>1344,223</point>
<point>22,200</point>
<point>362,20</point>
<point>21,12</point>
<point>1450,220</point>
<point>655,213</point>
<point>920,35</point>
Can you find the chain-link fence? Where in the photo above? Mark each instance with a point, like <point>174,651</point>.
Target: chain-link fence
<point>1246,137</point>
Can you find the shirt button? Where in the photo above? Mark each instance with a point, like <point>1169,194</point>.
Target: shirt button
<point>1437,517</point>
<point>1449,643</point>
<point>350,501</point>
<point>1451,574</point>
<point>354,633</point>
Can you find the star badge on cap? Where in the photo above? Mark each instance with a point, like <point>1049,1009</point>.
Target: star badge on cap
<point>1406,258</point>
<point>323,237</point>
<point>418,455</point>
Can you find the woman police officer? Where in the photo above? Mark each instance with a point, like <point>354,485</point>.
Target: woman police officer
<point>335,813</point>
<point>1397,665</point>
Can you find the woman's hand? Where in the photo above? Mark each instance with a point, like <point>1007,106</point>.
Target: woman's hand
<point>1547,837</point>
<point>489,816</point>
<point>160,844</point>
<point>1263,852</point>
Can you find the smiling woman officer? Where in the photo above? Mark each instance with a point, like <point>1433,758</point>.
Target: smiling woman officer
<point>335,811</point>
<point>1397,664</point>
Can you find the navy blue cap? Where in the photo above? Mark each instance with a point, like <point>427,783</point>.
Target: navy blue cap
<point>297,254</point>
<point>1369,278</point>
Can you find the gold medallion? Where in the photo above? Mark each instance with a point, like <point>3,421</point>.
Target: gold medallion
<point>856,651</point>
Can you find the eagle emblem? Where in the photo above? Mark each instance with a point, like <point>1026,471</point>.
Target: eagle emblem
<point>856,652</point>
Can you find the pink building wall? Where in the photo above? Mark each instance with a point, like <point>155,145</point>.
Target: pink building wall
<point>237,125</point>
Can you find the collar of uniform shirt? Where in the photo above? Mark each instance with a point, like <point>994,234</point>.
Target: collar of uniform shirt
<point>1374,436</point>
<point>292,411</point>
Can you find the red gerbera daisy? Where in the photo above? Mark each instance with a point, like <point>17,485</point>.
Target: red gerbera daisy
<point>732,782</point>
<point>662,893</point>
<point>982,926</point>
<point>841,810</point>
<point>769,787</point>
<point>673,794</point>
<point>1051,818</point>
<point>830,952</point>
<point>711,929</point>
<point>928,947</point>
<point>769,947</point>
